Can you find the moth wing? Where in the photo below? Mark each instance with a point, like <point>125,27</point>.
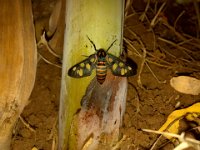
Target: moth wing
<point>83,68</point>
<point>119,67</point>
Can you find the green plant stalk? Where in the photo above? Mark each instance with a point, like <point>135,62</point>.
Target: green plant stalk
<point>102,22</point>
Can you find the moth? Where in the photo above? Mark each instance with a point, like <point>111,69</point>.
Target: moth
<point>101,60</point>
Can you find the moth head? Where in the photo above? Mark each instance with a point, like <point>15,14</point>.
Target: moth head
<point>101,53</point>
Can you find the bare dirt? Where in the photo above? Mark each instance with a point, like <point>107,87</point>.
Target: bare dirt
<point>147,107</point>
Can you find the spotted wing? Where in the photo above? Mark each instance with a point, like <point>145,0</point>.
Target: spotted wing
<point>84,68</point>
<point>118,67</point>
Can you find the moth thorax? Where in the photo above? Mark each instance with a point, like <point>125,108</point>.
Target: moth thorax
<point>101,71</point>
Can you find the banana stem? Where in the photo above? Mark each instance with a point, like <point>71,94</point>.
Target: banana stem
<point>102,22</point>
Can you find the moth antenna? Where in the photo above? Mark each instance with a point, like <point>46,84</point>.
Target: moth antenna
<point>92,43</point>
<point>111,45</point>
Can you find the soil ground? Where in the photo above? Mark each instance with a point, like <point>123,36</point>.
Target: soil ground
<point>146,108</point>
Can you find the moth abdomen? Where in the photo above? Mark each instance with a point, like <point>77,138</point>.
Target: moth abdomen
<point>101,71</point>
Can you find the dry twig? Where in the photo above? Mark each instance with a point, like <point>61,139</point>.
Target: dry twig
<point>137,98</point>
<point>43,41</point>
<point>176,45</point>
<point>26,124</point>
<point>141,68</point>
<point>154,74</point>
<point>143,57</point>
<point>117,146</point>
<point>128,5</point>
<point>48,62</point>
<point>179,16</point>
<point>153,22</point>
<point>54,135</point>
<point>142,17</point>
